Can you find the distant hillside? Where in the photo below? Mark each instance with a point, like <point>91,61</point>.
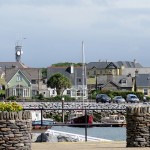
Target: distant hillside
<point>66,64</point>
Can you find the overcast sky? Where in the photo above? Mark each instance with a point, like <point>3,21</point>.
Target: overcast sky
<point>112,30</point>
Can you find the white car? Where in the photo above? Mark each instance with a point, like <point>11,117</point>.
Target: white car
<point>119,99</point>
<point>132,98</point>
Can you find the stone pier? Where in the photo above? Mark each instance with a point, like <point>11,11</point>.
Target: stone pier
<point>138,126</point>
<point>15,130</point>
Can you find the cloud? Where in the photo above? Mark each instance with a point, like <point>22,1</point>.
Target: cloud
<point>52,26</point>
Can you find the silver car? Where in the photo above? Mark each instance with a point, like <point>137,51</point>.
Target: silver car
<point>132,98</point>
<point>119,99</point>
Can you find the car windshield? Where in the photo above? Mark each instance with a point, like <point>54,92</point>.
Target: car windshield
<point>133,97</point>
<point>104,96</point>
<point>118,97</point>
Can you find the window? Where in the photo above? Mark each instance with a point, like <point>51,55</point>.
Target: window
<point>26,92</point>
<point>33,81</point>
<point>14,92</point>
<point>145,91</point>
<point>53,92</point>
<point>123,81</point>
<point>19,78</point>
<point>68,92</point>
<point>79,80</point>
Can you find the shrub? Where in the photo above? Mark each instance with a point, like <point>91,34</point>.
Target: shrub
<point>10,106</point>
<point>12,98</point>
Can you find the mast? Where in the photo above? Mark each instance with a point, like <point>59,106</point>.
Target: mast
<point>83,73</point>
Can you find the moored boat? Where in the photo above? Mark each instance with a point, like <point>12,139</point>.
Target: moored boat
<point>38,124</point>
<point>79,119</point>
<point>114,121</point>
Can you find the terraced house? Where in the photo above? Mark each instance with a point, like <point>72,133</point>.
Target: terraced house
<point>106,75</point>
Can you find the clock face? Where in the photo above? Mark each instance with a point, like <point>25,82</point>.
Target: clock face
<point>18,53</point>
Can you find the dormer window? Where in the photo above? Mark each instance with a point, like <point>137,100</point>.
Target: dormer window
<point>123,81</point>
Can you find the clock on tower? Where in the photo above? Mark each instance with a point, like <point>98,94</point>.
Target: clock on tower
<point>18,52</point>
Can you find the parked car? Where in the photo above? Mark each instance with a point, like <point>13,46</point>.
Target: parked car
<point>132,98</point>
<point>119,99</point>
<point>103,98</point>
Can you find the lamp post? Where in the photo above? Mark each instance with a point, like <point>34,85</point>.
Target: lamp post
<point>62,109</point>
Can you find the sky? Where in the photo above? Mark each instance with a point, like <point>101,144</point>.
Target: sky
<point>52,31</point>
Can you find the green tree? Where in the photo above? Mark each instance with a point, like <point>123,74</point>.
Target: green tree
<point>60,82</point>
<point>44,72</point>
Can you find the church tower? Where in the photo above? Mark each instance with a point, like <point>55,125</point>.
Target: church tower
<point>18,53</point>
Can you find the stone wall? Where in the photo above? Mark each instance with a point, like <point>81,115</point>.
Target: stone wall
<point>138,126</point>
<point>15,130</point>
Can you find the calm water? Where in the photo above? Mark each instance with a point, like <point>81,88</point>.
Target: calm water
<point>111,133</point>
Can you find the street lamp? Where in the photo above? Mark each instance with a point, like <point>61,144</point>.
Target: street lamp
<point>63,109</point>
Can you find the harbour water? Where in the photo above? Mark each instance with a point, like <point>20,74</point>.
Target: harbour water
<point>111,133</point>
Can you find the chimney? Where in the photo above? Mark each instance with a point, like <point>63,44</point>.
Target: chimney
<point>71,69</point>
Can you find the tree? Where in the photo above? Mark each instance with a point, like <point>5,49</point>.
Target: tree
<point>44,72</point>
<point>60,82</point>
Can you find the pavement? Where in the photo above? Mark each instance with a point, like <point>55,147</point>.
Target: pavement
<point>117,145</point>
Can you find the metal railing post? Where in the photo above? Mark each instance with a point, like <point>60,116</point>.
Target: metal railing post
<point>41,123</point>
<point>86,125</point>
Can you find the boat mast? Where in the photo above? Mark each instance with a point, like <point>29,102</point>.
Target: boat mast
<point>83,72</point>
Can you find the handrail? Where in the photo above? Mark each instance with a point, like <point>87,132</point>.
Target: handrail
<point>85,125</point>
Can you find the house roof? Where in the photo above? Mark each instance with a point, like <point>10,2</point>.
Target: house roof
<point>30,73</point>
<point>77,73</point>
<point>118,64</point>
<point>143,80</point>
<point>103,80</point>
<point>4,65</point>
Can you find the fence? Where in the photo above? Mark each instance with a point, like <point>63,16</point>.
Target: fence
<point>82,123</point>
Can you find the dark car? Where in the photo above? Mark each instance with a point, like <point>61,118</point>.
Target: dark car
<point>103,98</point>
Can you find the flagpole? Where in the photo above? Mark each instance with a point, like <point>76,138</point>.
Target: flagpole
<point>83,72</point>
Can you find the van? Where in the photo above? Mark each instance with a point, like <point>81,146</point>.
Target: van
<point>132,98</point>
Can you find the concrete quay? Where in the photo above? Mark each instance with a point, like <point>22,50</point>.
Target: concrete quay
<point>113,145</point>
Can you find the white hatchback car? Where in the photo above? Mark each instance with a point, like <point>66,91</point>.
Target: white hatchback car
<point>118,99</point>
<point>132,98</point>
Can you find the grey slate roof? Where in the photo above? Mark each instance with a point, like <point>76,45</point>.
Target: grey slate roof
<point>66,72</point>
<point>118,64</point>
<point>103,80</point>
<point>4,65</point>
<point>30,73</point>
<point>143,80</point>
<point>1,71</point>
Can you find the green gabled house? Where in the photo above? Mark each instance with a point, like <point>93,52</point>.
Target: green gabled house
<point>24,83</point>
<point>18,83</point>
